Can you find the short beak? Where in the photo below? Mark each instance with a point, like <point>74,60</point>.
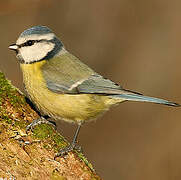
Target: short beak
<point>13,47</point>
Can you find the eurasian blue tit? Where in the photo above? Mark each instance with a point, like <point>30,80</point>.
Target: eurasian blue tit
<point>63,87</point>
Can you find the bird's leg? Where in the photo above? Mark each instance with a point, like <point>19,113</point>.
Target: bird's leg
<point>72,146</point>
<point>41,120</point>
<point>74,141</point>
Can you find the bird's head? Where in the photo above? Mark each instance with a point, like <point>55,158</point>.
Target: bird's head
<point>36,44</point>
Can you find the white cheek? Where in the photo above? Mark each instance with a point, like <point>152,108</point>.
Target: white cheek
<point>35,52</point>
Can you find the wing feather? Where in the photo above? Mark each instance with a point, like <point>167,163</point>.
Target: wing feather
<point>66,74</point>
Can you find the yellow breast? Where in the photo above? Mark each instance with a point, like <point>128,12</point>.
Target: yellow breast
<point>72,108</point>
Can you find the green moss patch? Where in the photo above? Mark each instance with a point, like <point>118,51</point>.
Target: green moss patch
<point>7,91</point>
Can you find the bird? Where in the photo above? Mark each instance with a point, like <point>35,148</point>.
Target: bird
<point>64,88</point>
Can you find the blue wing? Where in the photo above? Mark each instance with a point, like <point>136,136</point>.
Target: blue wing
<point>65,74</point>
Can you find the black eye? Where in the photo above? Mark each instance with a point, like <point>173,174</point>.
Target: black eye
<point>29,43</point>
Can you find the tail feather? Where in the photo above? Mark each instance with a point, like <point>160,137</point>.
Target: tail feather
<point>137,97</point>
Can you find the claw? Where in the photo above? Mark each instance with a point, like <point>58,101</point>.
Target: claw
<point>38,121</point>
<point>67,149</point>
<point>72,146</point>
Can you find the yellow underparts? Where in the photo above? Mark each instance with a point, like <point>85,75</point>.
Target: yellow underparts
<point>72,108</point>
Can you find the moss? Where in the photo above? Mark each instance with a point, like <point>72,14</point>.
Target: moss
<point>93,178</point>
<point>53,139</point>
<point>14,116</point>
<point>20,124</point>
<point>56,175</point>
<point>9,121</point>
<point>42,131</point>
<point>46,146</point>
<point>84,159</point>
<point>7,91</point>
<point>59,140</point>
<point>6,118</point>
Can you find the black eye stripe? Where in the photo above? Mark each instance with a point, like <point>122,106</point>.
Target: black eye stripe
<point>29,43</point>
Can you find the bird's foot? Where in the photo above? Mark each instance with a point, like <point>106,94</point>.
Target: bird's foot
<point>67,149</point>
<point>39,121</point>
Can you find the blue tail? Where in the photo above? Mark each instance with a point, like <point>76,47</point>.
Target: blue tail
<point>137,97</point>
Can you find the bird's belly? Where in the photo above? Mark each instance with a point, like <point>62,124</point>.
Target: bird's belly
<point>71,108</point>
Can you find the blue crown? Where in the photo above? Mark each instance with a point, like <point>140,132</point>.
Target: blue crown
<point>36,30</point>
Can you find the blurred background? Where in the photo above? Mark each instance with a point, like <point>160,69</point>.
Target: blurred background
<point>134,43</point>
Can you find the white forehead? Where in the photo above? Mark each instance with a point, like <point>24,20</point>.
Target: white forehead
<point>23,39</point>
